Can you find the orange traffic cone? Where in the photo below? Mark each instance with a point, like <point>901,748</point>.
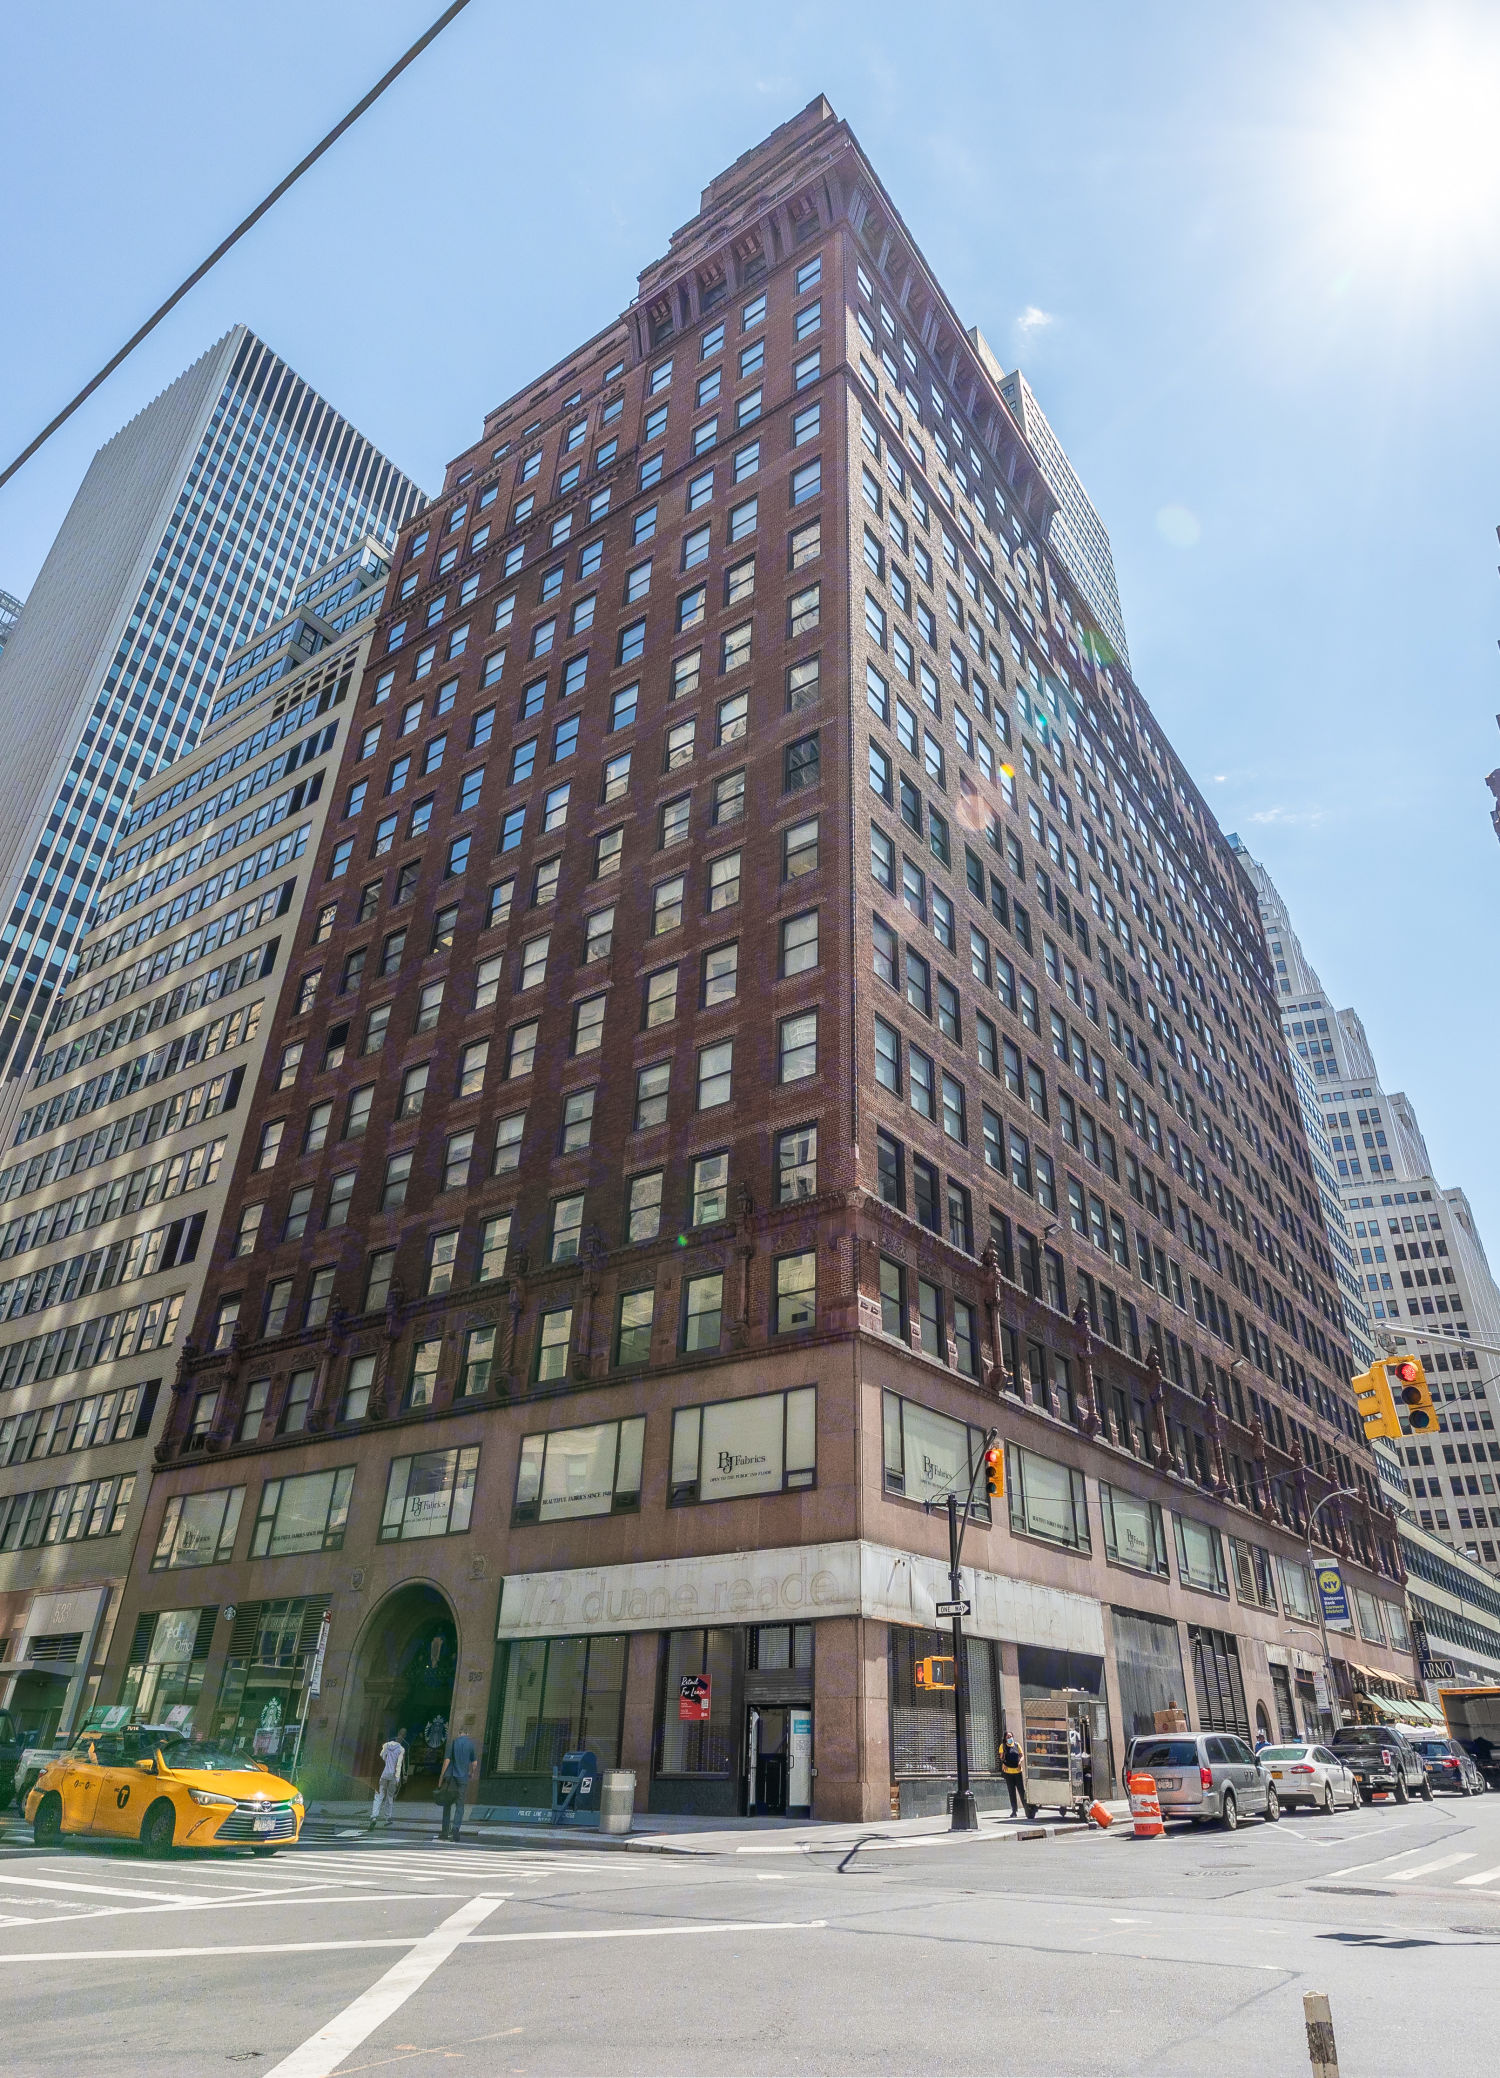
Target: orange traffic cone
<point>1145,1808</point>
<point>1100,1815</point>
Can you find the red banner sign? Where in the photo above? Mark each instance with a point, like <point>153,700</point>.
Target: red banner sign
<point>695,1695</point>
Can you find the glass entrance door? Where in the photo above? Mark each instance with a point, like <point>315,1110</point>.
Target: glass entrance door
<point>768,1762</point>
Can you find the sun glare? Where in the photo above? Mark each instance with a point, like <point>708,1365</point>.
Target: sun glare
<point>1412,143</point>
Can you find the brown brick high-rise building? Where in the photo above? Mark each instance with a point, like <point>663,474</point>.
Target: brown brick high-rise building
<point>772,1007</point>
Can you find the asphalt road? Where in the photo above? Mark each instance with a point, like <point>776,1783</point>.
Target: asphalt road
<point>1091,1954</point>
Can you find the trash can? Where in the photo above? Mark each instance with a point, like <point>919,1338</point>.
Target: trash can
<point>617,1801</point>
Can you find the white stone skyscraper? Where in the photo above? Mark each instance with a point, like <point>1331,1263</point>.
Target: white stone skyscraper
<point>188,533</point>
<point>1427,1283</point>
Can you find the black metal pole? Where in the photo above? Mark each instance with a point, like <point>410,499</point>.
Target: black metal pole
<point>965,1817</point>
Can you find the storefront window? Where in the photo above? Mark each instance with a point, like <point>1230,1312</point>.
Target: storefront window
<point>1254,1575</point>
<point>1148,1664</point>
<point>1134,1534</point>
<point>307,1513</point>
<point>928,1455</point>
<point>562,1695</point>
<point>763,1445</point>
<point>429,1496</point>
<point>1200,1557</point>
<point>692,1744</point>
<point>167,1657</point>
<point>262,1698</point>
<point>571,1472</point>
<point>922,1738</point>
<point>1046,1499</point>
<point>199,1529</point>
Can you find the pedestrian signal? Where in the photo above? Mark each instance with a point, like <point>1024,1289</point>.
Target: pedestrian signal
<point>1410,1385</point>
<point>936,1672</point>
<point>994,1472</point>
<point>1376,1403</point>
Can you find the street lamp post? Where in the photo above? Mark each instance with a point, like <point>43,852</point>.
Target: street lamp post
<point>1338,1493</point>
<point>965,1818</point>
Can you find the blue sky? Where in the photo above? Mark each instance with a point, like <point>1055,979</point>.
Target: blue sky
<point>1245,256</point>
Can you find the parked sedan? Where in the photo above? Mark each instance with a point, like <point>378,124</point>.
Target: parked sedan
<point>1449,1767</point>
<point>1312,1775</point>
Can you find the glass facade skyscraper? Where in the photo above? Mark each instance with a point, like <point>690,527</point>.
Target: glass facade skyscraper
<point>189,532</point>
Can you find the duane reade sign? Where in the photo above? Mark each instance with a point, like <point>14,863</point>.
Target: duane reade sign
<point>799,1582</point>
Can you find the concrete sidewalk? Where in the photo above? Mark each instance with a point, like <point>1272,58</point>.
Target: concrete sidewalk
<point>667,1833</point>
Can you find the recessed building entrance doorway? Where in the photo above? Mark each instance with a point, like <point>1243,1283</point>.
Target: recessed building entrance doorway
<point>402,1682</point>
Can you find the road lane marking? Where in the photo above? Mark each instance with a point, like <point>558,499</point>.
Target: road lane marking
<point>1447,1861</point>
<point>285,2069</point>
<point>1480,1876</point>
<point>323,2052</point>
<point>98,1890</point>
<point>129,1955</point>
<point>651,1933</point>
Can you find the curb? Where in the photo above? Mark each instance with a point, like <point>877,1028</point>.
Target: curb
<point>639,1843</point>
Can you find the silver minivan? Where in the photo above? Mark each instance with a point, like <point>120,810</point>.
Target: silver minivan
<point>1206,1775</point>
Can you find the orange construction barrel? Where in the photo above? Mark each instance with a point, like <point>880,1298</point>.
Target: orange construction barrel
<point>1145,1807</point>
<point>1101,1815</point>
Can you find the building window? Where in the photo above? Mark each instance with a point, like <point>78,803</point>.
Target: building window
<point>303,1514</point>
<point>567,1473</point>
<point>431,1495</point>
<point>929,1455</point>
<point>797,1047</point>
<point>796,1164</point>
<point>633,1327</point>
<point>1046,1499</point>
<point>421,1386</point>
<point>703,1302</point>
<point>715,1075</point>
<point>796,1293</point>
<point>731,1448</point>
<point>567,1228</point>
<point>643,1210</point>
<point>710,1194</point>
<point>552,1343</point>
<point>442,1251</point>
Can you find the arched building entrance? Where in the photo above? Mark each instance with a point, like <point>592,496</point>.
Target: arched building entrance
<point>402,1681</point>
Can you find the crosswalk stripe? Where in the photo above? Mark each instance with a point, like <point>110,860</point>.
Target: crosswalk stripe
<point>1480,1876</point>
<point>1447,1861</point>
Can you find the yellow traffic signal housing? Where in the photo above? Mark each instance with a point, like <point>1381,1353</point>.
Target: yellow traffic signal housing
<point>1407,1383</point>
<point>994,1472</point>
<point>1377,1403</point>
<point>936,1672</point>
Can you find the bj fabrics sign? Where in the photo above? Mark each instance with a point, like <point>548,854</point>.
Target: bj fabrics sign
<point>694,1698</point>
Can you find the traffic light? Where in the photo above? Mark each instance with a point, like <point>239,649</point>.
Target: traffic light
<point>1409,1381</point>
<point>1376,1403</point>
<point>936,1672</point>
<point>994,1472</point>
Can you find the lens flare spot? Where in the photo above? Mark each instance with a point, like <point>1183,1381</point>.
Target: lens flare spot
<point>1175,523</point>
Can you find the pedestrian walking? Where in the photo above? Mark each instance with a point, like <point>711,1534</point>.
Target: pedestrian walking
<point>1011,1771</point>
<point>392,1768</point>
<point>460,1765</point>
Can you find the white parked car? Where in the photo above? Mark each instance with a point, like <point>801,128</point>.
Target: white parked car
<point>1311,1775</point>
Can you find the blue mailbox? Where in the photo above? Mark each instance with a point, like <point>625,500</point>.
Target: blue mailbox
<point>575,1784</point>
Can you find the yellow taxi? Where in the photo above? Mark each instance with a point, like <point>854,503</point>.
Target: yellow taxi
<point>157,1786</point>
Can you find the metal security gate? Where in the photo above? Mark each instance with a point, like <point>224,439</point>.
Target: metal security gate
<point>1216,1677</point>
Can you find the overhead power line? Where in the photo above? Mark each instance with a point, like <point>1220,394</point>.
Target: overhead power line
<point>236,235</point>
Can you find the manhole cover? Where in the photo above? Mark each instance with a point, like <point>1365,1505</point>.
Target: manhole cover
<point>1348,1890</point>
